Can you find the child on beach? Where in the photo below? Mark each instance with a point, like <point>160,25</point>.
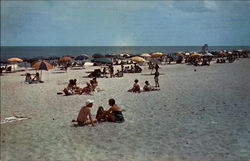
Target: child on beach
<point>84,116</point>
<point>114,114</point>
<point>136,87</point>
<point>148,87</point>
<point>28,78</point>
<point>37,79</point>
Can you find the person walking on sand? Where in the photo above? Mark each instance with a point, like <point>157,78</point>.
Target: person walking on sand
<point>114,114</point>
<point>156,78</point>
<point>84,116</point>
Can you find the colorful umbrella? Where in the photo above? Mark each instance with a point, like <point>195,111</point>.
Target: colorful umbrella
<point>156,55</point>
<point>145,55</point>
<point>16,60</point>
<point>179,54</point>
<point>42,65</point>
<point>138,59</point>
<point>196,55</point>
<point>65,59</point>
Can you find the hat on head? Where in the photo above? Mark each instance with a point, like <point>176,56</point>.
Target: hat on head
<point>89,101</point>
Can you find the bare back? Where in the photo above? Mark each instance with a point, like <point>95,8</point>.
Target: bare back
<point>83,114</point>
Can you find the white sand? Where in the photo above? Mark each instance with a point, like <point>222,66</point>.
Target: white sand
<point>202,115</point>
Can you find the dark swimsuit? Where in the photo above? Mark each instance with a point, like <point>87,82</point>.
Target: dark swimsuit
<point>118,116</point>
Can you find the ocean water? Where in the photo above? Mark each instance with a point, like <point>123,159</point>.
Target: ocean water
<point>46,51</point>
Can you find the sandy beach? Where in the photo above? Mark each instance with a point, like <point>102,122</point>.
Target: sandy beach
<point>201,115</point>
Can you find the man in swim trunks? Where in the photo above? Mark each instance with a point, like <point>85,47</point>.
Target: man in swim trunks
<point>114,114</point>
<point>84,116</point>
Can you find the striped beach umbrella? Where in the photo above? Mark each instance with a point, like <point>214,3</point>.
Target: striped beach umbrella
<point>42,65</point>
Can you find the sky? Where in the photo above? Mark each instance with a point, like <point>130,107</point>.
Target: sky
<point>125,23</point>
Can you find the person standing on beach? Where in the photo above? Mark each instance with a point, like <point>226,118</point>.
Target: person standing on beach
<point>156,78</point>
<point>111,71</point>
<point>84,115</point>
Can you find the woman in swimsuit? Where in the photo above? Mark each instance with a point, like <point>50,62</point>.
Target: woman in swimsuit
<point>114,114</point>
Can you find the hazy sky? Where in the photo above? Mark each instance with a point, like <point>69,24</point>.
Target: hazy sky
<point>130,23</point>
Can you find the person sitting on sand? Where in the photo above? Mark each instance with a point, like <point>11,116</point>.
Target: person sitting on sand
<point>95,81</point>
<point>75,84</point>
<point>114,114</point>
<point>148,87</point>
<point>37,79</point>
<point>87,89</point>
<point>84,116</point>
<point>119,73</point>
<point>70,88</point>
<point>93,85</point>
<point>136,87</point>
<point>28,78</point>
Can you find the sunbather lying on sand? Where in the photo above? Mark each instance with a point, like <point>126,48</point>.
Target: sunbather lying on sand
<point>136,87</point>
<point>84,115</point>
<point>114,114</point>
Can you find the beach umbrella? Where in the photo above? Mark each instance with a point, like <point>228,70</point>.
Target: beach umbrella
<point>138,59</point>
<point>15,60</point>
<point>82,57</point>
<point>146,55</point>
<point>179,54</point>
<point>208,54</point>
<point>42,65</point>
<point>196,55</point>
<point>65,59</point>
<point>156,55</point>
<point>98,55</point>
<point>102,60</point>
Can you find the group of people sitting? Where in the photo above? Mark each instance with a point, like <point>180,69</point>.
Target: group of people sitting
<point>73,89</point>
<point>137,89</point>
<point>113,114</point>
<point>132,69</point>
<point>36,79</point>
